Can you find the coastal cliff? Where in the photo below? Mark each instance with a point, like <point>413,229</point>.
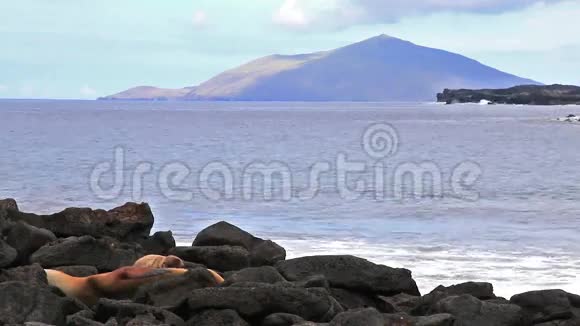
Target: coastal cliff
<point>261,286</point>
<point>525,94</point>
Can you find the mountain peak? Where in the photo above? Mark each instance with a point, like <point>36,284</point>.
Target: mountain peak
<point>381,68</point>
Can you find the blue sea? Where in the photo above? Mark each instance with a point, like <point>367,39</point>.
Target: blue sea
<point>453,193</point>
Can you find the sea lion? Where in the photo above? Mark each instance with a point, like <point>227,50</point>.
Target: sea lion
<point>158,261</point>
<point>119,284</point>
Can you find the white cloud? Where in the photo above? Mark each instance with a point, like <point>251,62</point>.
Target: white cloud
<point>3,88</point>
<point>291,14</point>
<point>87,91</point>
<point>199,19</point>
<point>347,13</point>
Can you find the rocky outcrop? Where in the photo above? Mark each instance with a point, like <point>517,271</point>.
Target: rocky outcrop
<point>174,292</point>
<point>549,306</point>
<point>526,94</point>
<point>260,288</point>
<point>351,273</point>
<point>261,252</point>
<point>21,302</point>
<point>259,302</point>
<point>27,239</point>
<point>221,258</point>
<point>7,254</point>
<point>105,254</point>
<point>129,313</point>
<point>225,317</point>
<point>130,222</point>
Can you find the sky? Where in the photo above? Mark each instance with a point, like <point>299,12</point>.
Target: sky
<point>90,48</point>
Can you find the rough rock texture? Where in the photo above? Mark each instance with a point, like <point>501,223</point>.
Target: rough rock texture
<point>160,243</point>
<point>8,203</point>
<point>30,274</point>
<point>262,252</point>
<point>425,305</point>
<point>402,302</point>
<point>26,239</point>
<point>470,311</point>
<point>351,273</point>
<point>259,302</point>
<point>548,305</point>
<point>225,317</point>
<point>309,291</point>
<point>353,300</point>
<point>480,290</point>
<point>129,313</point>
<point>104,254</point>
<point>282,319</point>
<point>403,319</point>
<point>21,302</point>
<point>7,254</point>
<point>367,317</point>
<point>264,274</point>
<point>173,292</point>
<point>525,94</point>
<point>221,258</point>
<point>129,222</point>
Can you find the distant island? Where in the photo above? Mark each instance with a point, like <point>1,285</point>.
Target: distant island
<point>381,68</point>
<point>525,94</point>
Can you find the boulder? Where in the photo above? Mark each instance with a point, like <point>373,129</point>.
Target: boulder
<point>282,319</point>
<point>159,243</point>
<point>221,258</point>
<point>471,311</point>
<point>403,319</point>
<point>127,223</point>
<point>351,273</point>
<point>480,290</point>
<point>78,271</point>
<point>266,252</point>
<point>352,300</point>
<point>174,291</point>
<point>129,313</point>
<point>264,274</point>
<point>30,274</point>
<point>425,304</point>
<point>21,303</point>
<point>315,281</point>
<point>262,252</point>
<point>7,254</point>
<point>225,317</point>
<point>356,317</point>
<point>26,239</point>
<point>8,204</point>
<point>402,302</point>
<point>548,305</point>
<point>105,254</point>
<point>82,318</point>
<point>254,303</point>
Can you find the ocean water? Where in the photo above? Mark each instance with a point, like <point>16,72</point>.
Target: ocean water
<point>503,207</point>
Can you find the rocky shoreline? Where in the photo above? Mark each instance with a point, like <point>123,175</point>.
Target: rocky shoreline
<point>261,287</point>
<point>524,95</point>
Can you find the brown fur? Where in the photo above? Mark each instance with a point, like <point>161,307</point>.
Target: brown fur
<point>157,261</point>
<point>119,284</point>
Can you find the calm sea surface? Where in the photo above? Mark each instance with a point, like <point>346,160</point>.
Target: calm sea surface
<point>515,220</point>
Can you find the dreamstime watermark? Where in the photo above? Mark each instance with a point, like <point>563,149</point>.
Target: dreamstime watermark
<point>275,180</point>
